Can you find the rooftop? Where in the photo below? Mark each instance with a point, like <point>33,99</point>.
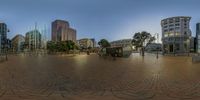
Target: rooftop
<point>178,17</point>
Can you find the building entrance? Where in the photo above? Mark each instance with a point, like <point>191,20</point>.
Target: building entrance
<point>171,48</point>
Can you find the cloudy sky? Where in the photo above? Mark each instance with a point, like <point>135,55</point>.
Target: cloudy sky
<point>110,19</point>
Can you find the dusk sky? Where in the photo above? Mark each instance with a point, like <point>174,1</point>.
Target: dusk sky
<point>110,19</point>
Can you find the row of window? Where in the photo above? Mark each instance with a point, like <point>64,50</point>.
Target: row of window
<point>176,39</point>
<point>166,34</point>
<point>172,29</point>
<point>171,34</point>
<point>176,47</point>
<point>176,24</point>
<point>177,20</point>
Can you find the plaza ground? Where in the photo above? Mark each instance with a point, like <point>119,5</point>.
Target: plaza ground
<point>90,77</point>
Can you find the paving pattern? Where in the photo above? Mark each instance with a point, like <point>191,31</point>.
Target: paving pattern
<point>92,77</point>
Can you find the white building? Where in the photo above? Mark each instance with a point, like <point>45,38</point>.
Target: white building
<point>176,34</point>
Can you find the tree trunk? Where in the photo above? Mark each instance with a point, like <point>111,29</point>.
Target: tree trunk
<point>142,51</point>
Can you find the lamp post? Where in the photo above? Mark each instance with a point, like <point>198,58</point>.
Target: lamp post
<point>6,46</point>
<point>157,52</point>
<point>174,46</point>
<point>188,41</point>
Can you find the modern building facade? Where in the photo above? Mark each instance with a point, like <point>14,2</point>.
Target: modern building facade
<point>71,34</point>
<point>121,43</point>
<point>18,43</point>
<point>94,42</point>
<point>198,37</point>
<point>192,44</point>
<point>61,31</point>
<point>33,40</point>
<point>3,36</point>
<point>176,34</point>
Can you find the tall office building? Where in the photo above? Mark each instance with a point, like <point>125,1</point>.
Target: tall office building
<point>33,40</point>
<point>61,31</point>
<point>176,34</point>
<point>3,36</point>
<point>94,42</point>
<point>198,37</point>
<point>71,34</point>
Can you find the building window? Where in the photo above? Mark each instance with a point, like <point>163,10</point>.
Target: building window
<point>171,34</point>
<point>177,20</point>
<point>185,33</point>
<point>177,28</point>
<point>171,25</point>
<point>177,24</point>
<point>171,21</point>
<point>165,26</point>
<point>185,20</point>
<point>177,47</point>
<point>185,24</point>
<point>166,35</point>
<point>177,34</point>
<point>171,29</point>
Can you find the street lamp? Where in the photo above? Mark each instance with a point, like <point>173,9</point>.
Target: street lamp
<point>174,46</point>
<point>188,41</point>
<point>157,48</point>
<point>6,46</point>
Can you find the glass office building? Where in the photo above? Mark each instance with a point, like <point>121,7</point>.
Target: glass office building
<point>3,36</point>
<point>198,37</point>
